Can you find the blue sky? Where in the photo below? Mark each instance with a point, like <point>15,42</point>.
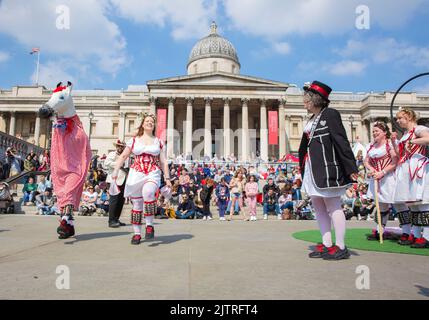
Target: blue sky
<point>111,44</point>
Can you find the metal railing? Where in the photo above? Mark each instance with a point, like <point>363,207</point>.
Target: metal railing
<point>246,164</point>
<point>24,174</point>
<point>22,147</point>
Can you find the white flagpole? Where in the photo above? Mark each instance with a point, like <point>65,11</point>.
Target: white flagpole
<point>37,68</point>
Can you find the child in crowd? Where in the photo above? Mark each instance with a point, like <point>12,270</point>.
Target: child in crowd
<point>88,204</point>
<point>251,190</point>
<point>205,196</point>
<point>222,198</point>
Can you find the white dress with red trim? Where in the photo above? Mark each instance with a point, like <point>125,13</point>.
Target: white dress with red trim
<point>146,167</point>
<point>412,168</point>
<point>380,158</point>
<point>308,185</point>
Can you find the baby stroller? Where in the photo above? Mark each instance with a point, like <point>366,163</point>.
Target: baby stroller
<point>303,210</point>
<point>6,200</point>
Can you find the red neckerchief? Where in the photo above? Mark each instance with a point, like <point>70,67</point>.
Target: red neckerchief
<point>68,123</point>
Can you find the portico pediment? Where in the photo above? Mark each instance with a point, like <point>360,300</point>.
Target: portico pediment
<point>216,79</point>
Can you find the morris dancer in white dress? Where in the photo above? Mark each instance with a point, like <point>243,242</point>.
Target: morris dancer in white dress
<point>412,174</point>
<point>144,178</point>
<point>381,161</point>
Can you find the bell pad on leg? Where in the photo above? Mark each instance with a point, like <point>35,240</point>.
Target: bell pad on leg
<point>149,208</point>
<point>136,217</point>
<point>404,217</point>
<point>420,218</point>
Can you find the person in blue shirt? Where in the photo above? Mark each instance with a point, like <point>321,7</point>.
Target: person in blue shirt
<point>206,171</point>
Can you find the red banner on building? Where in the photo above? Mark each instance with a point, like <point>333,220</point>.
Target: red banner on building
<point>161,126</point>
<point>273,128</point>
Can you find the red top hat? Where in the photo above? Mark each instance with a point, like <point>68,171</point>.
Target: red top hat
<point>319,88</point>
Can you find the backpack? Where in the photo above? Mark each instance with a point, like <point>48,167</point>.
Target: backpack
<point>171,213</point>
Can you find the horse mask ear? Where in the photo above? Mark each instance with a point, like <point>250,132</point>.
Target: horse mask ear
<point>69,86</point>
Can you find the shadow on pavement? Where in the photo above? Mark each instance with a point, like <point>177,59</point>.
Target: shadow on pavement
<point>4,230</point>
<point>93,236</point>
<point>423,291</point>
<point>169,239</point>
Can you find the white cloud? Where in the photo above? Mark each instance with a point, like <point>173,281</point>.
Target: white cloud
<point>65,69</point>
<point>188,18</point>
<point>347,67</point>
<point>278,18</point>
<point>273,48</point>
<point>282,48</point>
<point>387,50</point>
<point>4,56</point>
<point>53,72</point>
<point>340,68</point>
<point>92,37</point>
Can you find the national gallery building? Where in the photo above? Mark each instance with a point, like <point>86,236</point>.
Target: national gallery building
<point>211,110</point>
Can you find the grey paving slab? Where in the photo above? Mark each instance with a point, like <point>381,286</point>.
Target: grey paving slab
<point>193,260</point>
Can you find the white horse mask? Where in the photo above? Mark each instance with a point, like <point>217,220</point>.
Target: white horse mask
<point>60,103</point>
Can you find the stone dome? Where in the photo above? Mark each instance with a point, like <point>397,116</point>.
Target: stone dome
<point>213,46</point>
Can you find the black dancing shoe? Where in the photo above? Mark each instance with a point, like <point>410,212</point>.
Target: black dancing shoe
<point>319,251</point>
<point>335,253</point>
<point>373,236</point>
<point>136,239</point>
<point>420,243</point>
<point>406,240</point>
<point>114,224</point>
<point>150,233</point>
<point>65,230</point>
<point>121,224</point>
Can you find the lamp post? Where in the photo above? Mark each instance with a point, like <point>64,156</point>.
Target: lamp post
<point>351,119</point>
<point>91,117</point>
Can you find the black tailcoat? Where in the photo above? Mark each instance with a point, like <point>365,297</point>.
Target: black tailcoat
<point>329,151</point>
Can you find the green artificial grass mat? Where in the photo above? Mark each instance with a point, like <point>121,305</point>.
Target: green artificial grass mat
<point>356,239</point>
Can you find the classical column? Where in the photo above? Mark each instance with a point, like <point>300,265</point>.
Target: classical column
<point>3,124</point>
<point>264,131</point>
<point>37,130</point>
<point>282,131</point>
<point>287,129</point>
<point>121,127</point>
<point>12,123</point>
<point>208,128</point>
<point>226,128</point>
<point>152,101</point>
<point>170,128</point>
<point>371,127</point>
<point>245,129</point>
<point>304,120</point>
<point>188,131</point>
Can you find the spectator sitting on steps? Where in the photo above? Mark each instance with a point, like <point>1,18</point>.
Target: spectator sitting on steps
<point>186,209</point>
<point>30,189</point>
<point>45,203</point>
<point>271,204</point>
<point>88,204</point>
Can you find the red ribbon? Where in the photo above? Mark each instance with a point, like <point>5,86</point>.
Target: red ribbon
<point>320,90</point>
